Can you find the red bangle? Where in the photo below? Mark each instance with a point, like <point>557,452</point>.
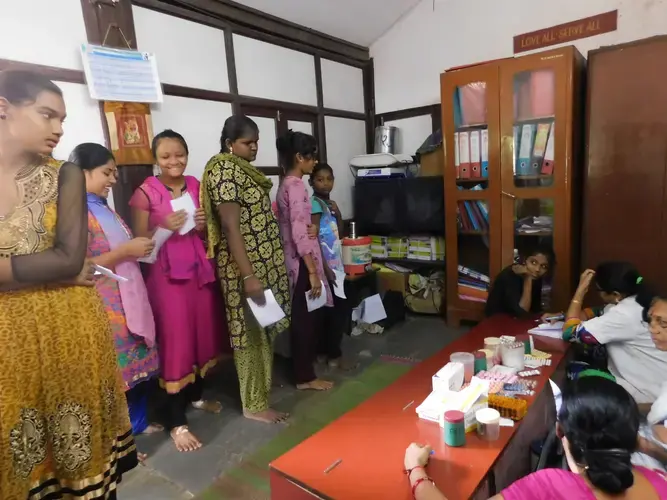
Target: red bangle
<point>409,471</point>
<point>420,481</point>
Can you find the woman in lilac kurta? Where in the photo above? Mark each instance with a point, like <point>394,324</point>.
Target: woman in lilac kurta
<point>303,256</point>
<point>182,287</point>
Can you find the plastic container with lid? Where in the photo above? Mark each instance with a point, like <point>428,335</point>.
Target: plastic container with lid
<point>480,361</point>
<point>468,362</point>
<point>513,355</point>
<point>454,428</point>
<point>488,424</point>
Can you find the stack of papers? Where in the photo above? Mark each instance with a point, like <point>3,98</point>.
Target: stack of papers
<point>551,330</point>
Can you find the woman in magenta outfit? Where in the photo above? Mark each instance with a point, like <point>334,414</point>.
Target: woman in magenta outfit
<point>597,425</point>
<point>182,287</point>
<point>303,256</point>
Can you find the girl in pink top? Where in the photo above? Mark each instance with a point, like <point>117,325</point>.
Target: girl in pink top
<point>597,424</point>
<point>182,287</point>
<point>303,256</point>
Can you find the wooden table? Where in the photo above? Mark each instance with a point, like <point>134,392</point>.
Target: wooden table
<point>371,439</point>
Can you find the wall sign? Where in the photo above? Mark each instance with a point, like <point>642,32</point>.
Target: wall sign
<point>582,28</point>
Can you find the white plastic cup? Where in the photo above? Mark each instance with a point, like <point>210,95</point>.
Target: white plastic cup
<point>513,355</point>
<point>488,424</point>
<point>468,362</point>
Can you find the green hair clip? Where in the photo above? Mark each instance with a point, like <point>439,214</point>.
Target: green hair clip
<point>639,280</point>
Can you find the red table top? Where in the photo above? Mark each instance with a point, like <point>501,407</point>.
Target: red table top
<point>371,439</point>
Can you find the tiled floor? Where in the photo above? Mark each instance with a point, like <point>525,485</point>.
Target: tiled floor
<point>228,437</point>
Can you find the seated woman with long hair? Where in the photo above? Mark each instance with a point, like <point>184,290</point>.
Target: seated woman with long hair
<point>632,358</point>
<point>597,425</point>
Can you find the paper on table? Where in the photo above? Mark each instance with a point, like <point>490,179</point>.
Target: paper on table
<point>551,330</point>
<point>185,203</point>
<point>269,313</point>
<point>314,304</point>
<point>339,289</point>
<point>109,273</point>
<point>370,310</point>
<point>558,396</point>
<point>159,237</point>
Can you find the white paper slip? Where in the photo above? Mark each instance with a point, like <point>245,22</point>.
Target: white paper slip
<point>339,289</point>
<point>314,304</point>
<point>370,310</point>
<point>109,273</point>
<point>159,237</point>
<point>269,313</point>
<point>185,203</point>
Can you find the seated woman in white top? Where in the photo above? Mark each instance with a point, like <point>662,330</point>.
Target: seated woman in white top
<point>653,434</point>
<point>633,359</point>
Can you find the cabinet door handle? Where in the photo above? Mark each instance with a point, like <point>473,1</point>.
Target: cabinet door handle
<point>509,195</point>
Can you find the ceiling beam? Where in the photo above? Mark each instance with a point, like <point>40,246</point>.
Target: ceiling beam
<point>256,24</point>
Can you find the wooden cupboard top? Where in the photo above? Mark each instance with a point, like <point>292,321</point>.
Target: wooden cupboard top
<point>371,439</point>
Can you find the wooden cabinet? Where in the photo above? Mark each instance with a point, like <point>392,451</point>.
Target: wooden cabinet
<point>511,131</point>
<point>625,184</point>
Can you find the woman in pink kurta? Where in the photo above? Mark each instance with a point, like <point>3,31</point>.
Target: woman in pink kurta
<point>182,288</point>
<point>303,256</point>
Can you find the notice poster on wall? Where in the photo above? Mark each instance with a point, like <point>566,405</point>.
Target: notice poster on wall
<point>121,75</point>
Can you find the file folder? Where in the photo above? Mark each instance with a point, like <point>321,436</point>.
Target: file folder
<point>485,153</point>
<point>539,149</point>
<point>548,163</point>
<point>457,158</point>
<point>526,149</point>
<point>464,155</point>
<point>474,154</point>
<point>515,150</point>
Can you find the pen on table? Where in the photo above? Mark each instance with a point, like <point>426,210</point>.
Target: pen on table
<point>408,405</point>
<point>333,466</point>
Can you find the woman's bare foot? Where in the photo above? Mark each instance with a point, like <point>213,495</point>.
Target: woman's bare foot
<point>315,385</point>
<point>268,416</point>
<point>208,406</point>
<point>141,457</point>
<point>184,439</point>
<point>153,429</point>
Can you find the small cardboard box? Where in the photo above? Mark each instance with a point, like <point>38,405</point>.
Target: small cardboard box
<point>393,281</point>
<point>432,164</point>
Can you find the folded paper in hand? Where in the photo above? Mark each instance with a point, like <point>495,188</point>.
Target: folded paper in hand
<point>314,304</point>
<point>160,236</point>
<point>185,203</point>
<point>269,313</point>
<point>109,273</point>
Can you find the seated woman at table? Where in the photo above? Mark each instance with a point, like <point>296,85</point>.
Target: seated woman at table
<point>517,290</point>
<point>597,425</point>
<point>652,449</point>
<point>632,358</point>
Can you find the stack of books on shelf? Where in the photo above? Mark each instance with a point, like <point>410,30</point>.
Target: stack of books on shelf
<point>538,225</point>
<point>389,247</point>
<point>473,215</point>
<point>426,248</point>
<point>473,285</point>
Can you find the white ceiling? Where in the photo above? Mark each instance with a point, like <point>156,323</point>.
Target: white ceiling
<point>358,21</point>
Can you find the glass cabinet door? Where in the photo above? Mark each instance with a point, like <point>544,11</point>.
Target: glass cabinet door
<point>534,125</point>
<point>472,182</point>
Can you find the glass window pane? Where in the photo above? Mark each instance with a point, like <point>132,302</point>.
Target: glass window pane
<point>473,250</point>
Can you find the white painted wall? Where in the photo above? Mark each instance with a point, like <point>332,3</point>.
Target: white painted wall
<point>188,54</point>
<point>346,139</point>
<point>42,32</point>
<point>199,122</point>
<point>342,86</point>
<point>273,72</point>
<point>409,58</point>
<point>412,132</point>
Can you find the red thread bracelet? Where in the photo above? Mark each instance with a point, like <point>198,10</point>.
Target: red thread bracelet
<point>420,481</point>
<point>409,471</point>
